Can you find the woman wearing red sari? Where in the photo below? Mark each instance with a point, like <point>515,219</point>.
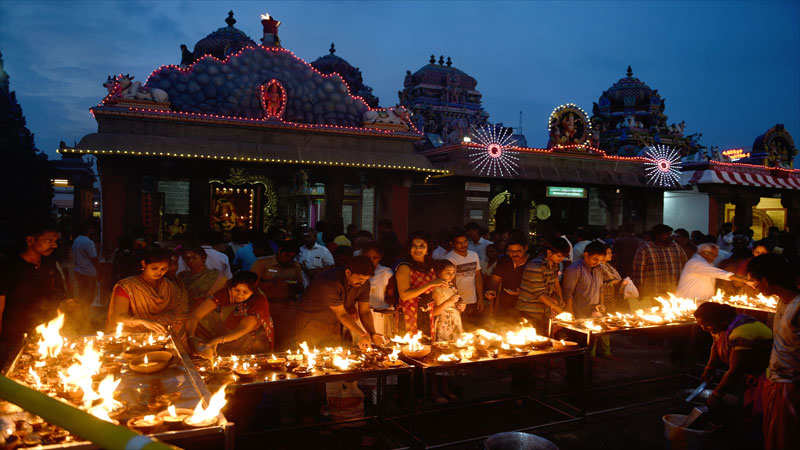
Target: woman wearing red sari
<point>415,277</point>
<point>240,322</point>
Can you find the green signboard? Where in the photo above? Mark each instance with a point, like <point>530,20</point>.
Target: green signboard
<point>566,192</point>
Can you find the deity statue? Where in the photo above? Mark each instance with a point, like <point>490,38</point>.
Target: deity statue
<point>273,100</point>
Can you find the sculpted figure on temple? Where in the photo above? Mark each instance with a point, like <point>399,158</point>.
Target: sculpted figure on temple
<point>123,87</point>
<point>396,117</point>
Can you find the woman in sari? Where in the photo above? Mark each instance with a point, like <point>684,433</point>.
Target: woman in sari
<point>742,346</point>
<point>415,277</point>
<point>199,281</point>
<point>238,316</point>
<point>149,300</point>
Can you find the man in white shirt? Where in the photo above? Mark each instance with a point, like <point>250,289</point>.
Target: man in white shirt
<point>469,281</point>
<point>313,257</point>
<point>477,243</point>
<point>84,260</point>
<point>698,278</point>
<point>725,239</point>
<point>382,312</point>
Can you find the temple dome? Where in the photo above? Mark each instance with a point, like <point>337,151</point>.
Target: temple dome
<point>331,63</point>
<point>629,93</point>
<point>223,42</point>
<point>438,74</point>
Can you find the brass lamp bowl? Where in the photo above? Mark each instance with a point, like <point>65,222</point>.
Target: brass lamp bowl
<point>416,354</point>
<point>156,362</point>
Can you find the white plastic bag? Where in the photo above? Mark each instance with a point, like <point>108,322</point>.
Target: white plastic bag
<point>629,291</point>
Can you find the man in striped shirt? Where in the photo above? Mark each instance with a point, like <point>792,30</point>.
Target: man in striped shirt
<point>540,290</point>
<point>657,264</point>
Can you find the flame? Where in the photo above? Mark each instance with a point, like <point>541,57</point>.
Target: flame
<point>447,357</point>
<point>171,410</point>
<point>467,353</point>
<point>265,16</point>
<point>565,316</point>
<point>215,405</point>
<point>413,342</point>
<point>395,355</point>
<point>145,360</point>
<point>37,382</point>
<point>758,302</point>
<point>51,342</point>
<point>311,357</point>
<point>342,363</point>
<point>118,332</point>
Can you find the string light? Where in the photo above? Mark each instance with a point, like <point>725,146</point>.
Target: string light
<point>107,100</point>
<point>662,166</point>
<point>361,165</point>
<point>492,155</point>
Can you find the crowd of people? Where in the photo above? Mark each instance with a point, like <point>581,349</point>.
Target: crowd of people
<point>214,293</point>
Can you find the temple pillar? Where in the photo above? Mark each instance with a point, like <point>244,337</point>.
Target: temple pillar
<point>791,201</point>
<point>113,209</point>
<point>199,206</point>
<point>522,208</point>
<point>743,217</point>
<point>653,208</point>
<point>334,199</point>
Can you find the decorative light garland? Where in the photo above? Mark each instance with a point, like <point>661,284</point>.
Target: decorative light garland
<point>412,128</point>
<point>561,148</point>
<point>252,159</point>
<point>258,122</point>
<point>663,165</point>
<point>491,155</point>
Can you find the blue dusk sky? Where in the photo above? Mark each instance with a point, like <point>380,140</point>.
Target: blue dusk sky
<point>730,69</point>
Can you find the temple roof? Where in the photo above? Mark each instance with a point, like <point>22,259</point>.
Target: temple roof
<point>438,74</point>
<point>224,41</point>
<point>331,63</point>
<point>629,93</point>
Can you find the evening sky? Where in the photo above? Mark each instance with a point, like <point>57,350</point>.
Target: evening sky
<point>729,69</point>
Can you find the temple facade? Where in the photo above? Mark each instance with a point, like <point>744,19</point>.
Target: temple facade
<point>244,137</point>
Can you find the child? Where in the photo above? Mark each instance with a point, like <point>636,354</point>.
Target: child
<point>447,305</point>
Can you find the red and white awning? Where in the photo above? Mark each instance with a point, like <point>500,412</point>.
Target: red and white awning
<point>744,176</point>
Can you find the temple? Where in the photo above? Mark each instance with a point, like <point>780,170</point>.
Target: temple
<point>242,136</point>
<point>444,102</point>
<point>629,116</point>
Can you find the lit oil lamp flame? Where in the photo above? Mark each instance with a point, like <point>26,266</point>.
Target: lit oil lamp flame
<point>118,332</point>
<point>51,341</point>
<point>171,410</point>
<point>395,355</point>
<point>447,357</point>
<point>215,405</point>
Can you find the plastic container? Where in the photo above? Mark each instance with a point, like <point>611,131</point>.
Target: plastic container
<point>682,438</point>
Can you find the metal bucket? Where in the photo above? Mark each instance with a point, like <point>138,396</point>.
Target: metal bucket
<point>682,438</point>
<point>517,441</point>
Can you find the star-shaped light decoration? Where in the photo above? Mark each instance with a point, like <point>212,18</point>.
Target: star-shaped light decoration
<point>662,166</point>
<point>491,154</point>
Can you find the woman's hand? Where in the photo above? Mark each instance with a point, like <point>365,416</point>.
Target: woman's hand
<point>380,340</point>
<point>364,342</point>
<point>708,374</point>
<point>152,326</point>
<point>460,305</point>
<point>191,326</point>
<point>436,283</point>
